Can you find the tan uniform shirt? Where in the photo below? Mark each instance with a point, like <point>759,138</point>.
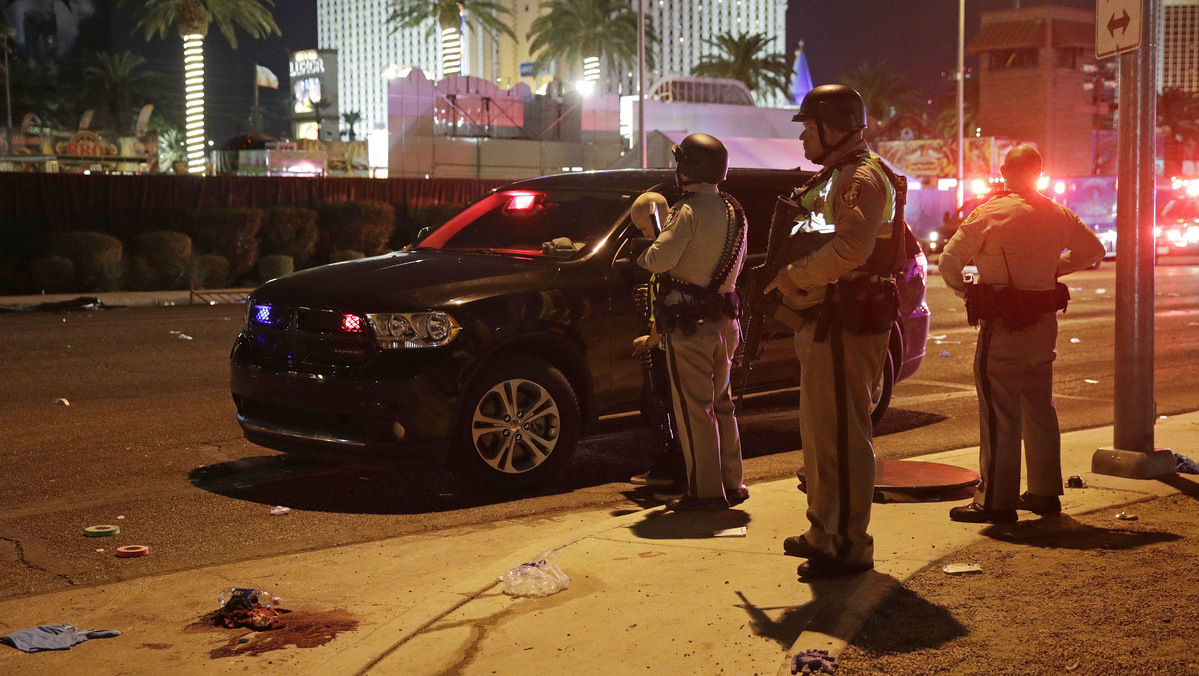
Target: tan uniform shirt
<point>858,196</point>
<point>693,240</point>
<point>1023,240</point>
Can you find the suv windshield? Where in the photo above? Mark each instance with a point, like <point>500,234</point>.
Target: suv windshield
<point>558,223</point>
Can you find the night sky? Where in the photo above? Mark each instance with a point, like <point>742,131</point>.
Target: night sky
<point>917,37</point>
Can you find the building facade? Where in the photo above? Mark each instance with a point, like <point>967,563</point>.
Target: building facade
<point>1035,82</point>
<point>1178,58</point>
<point>369,53</point>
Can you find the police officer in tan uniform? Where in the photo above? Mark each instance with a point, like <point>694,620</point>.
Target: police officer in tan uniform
<point>1021,242</point>
<point>848,209</point>
<point>697,258</point>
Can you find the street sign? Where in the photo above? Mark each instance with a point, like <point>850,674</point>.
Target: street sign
<point>1117,27</point>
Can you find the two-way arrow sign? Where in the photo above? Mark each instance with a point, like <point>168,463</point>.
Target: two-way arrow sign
<point>1117,27</point>
<point>1121,23</point>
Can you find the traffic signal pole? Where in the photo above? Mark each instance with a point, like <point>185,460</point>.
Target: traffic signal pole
<point>1133,453</point>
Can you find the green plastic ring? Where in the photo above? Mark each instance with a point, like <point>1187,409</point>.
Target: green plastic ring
<point>101,531</point>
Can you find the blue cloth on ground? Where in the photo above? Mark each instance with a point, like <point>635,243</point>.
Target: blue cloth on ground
<point>1185,464</point>
<point>814,661</point>
<point>53,637</point>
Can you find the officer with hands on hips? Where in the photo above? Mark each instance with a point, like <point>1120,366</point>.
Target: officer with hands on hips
<point>1021,242</point>
<point>696,260</point>
<point>847,215</point>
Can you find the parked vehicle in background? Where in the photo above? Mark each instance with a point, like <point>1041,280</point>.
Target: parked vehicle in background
<point>500,335</point>
<point>1177,230</point>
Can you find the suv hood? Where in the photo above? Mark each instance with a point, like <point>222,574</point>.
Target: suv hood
<point>405,280</point>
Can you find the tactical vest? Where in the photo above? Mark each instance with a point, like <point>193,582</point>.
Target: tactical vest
<point>681,305</point>
<point>815,228</point>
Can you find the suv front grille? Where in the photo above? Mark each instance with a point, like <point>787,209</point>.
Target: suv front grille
<point>316,342</point>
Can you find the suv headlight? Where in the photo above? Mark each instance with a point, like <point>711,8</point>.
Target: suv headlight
<point>400,330</point>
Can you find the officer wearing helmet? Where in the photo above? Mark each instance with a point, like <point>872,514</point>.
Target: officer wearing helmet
<point>696,260</point>
<point>845,229</point>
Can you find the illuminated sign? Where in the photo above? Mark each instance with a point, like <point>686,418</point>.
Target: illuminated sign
<point>306,63</point>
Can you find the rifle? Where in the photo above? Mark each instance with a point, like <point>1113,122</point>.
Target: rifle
<point>758,305</point>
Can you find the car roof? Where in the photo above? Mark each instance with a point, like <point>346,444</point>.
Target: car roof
<point>644,179</point>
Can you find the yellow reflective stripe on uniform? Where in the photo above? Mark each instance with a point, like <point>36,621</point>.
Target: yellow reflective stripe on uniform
<point>872,161</point>
<point>820,208</point>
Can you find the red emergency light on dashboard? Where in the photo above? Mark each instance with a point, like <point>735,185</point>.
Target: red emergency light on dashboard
<point>522,201</point>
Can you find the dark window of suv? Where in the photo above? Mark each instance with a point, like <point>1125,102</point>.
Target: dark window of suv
<point>528,222</point>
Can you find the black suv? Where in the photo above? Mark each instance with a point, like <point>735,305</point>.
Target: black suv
<point>497,337</point>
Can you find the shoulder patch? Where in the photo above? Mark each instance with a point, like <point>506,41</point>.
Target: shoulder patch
<point>851,194</point>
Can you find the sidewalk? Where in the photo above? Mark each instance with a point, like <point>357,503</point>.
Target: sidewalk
<point>652,592</point>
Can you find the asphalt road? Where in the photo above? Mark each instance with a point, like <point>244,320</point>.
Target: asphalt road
<point>148,441</point>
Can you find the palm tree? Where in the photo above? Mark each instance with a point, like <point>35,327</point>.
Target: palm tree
<point>743,57</point>
<point>885,92</point>
<point>578,32</point>
<point>192,19</point>
<point>451,16</point>
<point>945,107</point>
<point>351,118</point>
<point>118,84</point>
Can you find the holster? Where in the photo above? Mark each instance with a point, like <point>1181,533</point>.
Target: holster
<point>682,306</point>
<point>868,307</point>
<point>1015,308</point>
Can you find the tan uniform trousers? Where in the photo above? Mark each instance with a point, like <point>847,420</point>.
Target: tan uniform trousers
<point>699,367</point>
<point>1013,372</point>
<point>836,381</point>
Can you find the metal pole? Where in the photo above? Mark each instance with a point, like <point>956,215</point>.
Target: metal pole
<point>961,78</point>
<point>7,77</point>
<point>641,82</point>
<point>1133,454</point>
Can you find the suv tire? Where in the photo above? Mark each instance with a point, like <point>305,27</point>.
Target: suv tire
<point>517,426</point>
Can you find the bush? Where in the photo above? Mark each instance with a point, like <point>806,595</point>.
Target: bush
<point>53,274</point>
<point>161,260</point>
<point>289,231</point>
<point>96,257</point>
<point>232,233</point>
<point>210,271</point>
<point>418,218</point>
<point>357,226</point>
<point>270,267</point>
<point>343,255</point>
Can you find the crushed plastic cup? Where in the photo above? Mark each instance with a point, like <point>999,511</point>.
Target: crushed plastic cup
<point>540,577</point>
<point>280,510</point>
<point>1125,516</point>
<point>962,568</point>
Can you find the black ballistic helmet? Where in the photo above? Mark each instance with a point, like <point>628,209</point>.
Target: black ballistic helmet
<point>701,158</point>
<point>836,107</point>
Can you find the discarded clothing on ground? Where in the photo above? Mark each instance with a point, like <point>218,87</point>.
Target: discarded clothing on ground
<point>53,637</point>
<point>1185,464</point>
<point>239,612</point>
<point>814,662</point>
<point>80,303</point>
